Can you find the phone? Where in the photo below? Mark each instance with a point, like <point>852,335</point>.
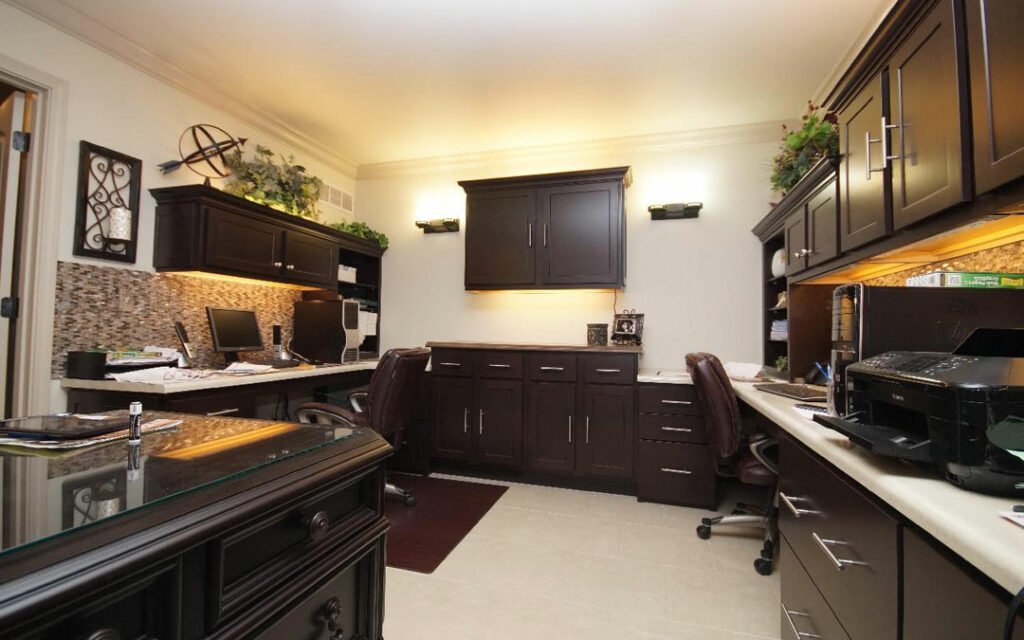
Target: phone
<point>185,344</point>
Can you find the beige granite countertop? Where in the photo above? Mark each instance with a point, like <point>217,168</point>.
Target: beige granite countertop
<point>516,346</point>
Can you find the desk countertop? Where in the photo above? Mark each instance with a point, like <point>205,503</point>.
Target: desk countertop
<point>966,522</point>
<point>217,381</point>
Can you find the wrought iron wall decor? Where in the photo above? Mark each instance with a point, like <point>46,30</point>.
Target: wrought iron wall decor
<point>107,218</point>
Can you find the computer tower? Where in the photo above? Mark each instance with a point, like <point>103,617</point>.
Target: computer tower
<point>326,331</point>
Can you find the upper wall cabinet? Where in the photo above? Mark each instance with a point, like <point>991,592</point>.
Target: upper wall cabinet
<point>563,230</point>
<point>996,51</point>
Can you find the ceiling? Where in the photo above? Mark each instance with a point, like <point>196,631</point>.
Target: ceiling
<point>374,81</point>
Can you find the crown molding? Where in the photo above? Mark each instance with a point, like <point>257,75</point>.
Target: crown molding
<point>81,27</point>
<point>699,138</point>
<point>829,83</point>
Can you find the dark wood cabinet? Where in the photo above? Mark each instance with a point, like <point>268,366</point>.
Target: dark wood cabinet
<point>823,225</point>
<point>477,419</point>
<point>453,402</point>
<point>499,421</point>
<point>310,258</point>
<point>995,51</point>
<point>926,132</point>
<point>241,243</point>
<point>863,174</point>
<point>795,233</point>
<point>805,613</point>
<point>549,438</point>
<point>563,230</point>
<point>608,423</point>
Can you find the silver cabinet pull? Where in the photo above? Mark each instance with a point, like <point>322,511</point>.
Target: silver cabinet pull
<point>529,234</point>
<point>278,264</point>
<point>608,370</point>
<point>588,431</point>
<point>450,364</point>
<point>885,141</point>
<point>222,412</point>
<point>686,402</point>
<point>678,429</point>
<point>465,420</point>
<point>839,563</point>
<point>481,422</point>
<point>684,472</point>
<point>290,267</point>
<point>868,141</point>
<point>792,625</point>
<point>545,234</point>
<point>500,366</point>
<point>570,429</point>
<point>552,368</point>
<point>795,510</point>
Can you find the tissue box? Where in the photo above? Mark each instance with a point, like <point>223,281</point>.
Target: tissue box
<point>346,273</point>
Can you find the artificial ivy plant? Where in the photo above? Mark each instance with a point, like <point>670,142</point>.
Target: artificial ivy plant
<point>285,187</point>
<point>362,230</point>
<point>817,137</point>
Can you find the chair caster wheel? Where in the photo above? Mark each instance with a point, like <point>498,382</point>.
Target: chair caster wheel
<point>763,566</point>
<point>767,554</point>
<point>410,501</point>
<point>706,522</point>
<point>703,532</point>
<point>738,512</point>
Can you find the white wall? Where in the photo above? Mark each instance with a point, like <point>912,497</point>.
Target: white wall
<point>698,281</point>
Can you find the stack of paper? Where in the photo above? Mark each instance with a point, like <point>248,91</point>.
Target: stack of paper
<point>780,330</point>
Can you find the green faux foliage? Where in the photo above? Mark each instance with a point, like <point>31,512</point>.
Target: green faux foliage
<point>782,363</point>
<point>817,137</point>
<point>285,187</point>
<point>362,230</point>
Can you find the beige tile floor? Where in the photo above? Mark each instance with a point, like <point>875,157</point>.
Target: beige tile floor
<point>562,564</point>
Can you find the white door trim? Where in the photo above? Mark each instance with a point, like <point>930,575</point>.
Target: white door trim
<point>41,221</point>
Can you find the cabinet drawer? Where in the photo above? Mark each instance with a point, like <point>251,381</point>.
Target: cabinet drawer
<point>240,404</point>
<point>609,368</point>
<point>552,367</point>
<point>676,473</point>
<point>672,428</point>
<point>847,544</point>
<point>805,614</point>
<point>499,364</point>
<point>451,362</point>
<point>284,542</point>
<point>668,398</point>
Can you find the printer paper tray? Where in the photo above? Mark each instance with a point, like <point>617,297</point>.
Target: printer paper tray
<point>884,441</point>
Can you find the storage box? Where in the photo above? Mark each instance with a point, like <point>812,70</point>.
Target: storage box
<point>970,280</point>
<point>346,273</point>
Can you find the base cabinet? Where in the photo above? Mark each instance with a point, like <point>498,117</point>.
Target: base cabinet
<point>550,444</point>
<point>607,431</point>
<point>499,421</point>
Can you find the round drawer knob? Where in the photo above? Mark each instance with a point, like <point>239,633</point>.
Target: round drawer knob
<point>317,525</point>
<point>104,634</point>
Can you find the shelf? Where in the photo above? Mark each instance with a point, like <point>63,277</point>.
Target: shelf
<point>344,283</point>
<point>774,310</point>
<point>775,280</point>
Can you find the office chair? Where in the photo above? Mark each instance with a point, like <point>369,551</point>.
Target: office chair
<point>737,455</point>
<point>386,406</point>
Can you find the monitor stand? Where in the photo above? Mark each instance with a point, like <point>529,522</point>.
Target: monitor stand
<point>230,356</point>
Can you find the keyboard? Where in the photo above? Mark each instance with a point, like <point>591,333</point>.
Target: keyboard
<point>812,408</point>
<point>805,392</point>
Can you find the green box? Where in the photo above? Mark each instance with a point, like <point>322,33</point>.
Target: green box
<point>968,280</point>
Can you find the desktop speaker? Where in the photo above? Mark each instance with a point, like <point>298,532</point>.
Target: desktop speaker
<point>317,333</point>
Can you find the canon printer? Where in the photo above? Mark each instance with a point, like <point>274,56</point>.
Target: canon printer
<point>962,412</point>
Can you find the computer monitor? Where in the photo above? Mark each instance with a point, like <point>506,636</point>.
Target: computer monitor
<point>234,330</point>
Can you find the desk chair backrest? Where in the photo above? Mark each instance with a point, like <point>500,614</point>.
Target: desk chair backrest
<point>394,388</point>
<point>718,401</point>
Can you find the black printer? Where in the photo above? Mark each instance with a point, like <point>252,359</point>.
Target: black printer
<point>962,412</point>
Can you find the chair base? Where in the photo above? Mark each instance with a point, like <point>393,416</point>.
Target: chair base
<point>391,489</point>
<point>751,515</point>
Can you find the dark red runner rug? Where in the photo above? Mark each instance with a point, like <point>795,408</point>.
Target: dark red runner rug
<point>421,537</point>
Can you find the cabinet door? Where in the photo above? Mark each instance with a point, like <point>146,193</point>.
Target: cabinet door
<point>796,242</point>
<point>500,239</point>
<point>453,402</point>
<point>924,89</point>
<point>242,244</point>
<point>823,225</point>
<point>499,422</point>
<point>864,198</point>
<point>309,258</point>
<point>550,413</point>
<point>608,431</point>
<point>995,51</point>
<point>581,227</point>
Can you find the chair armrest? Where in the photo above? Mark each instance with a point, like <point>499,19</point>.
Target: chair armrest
<point>758,445</point>
<point>323,413</point>
<point>358,400</point>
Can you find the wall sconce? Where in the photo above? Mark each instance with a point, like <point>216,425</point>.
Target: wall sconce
<point>438,225</point>
<point>107,213</point>
<point>675,211</point>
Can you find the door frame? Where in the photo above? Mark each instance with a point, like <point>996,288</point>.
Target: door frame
<point>40,222</point>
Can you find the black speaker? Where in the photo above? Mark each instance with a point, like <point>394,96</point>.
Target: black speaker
<point>89,365</point>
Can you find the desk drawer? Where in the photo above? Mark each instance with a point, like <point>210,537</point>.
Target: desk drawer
<point>672,428</point>
<point>284,541</point>
<point>499,364</point>
<point>847,544</point>
<point>805,614</point>
<point>676,473</point>
<point>609,368</point>
<point>668,398</point>
<point>552,367</point>
<point>230,404</point>
<point>451,362</point>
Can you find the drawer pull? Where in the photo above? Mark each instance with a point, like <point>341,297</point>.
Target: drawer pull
<point>500,366</point>
<point>795,510</point>
<point>686,402</point>
<point>588,431</point>
<point>552,368</point>
<point>465,420</point>
<point>450,364</point>
<point>684,472</point>
<point>222,412</point>
<point>608,370</point>
<point>104,634</point>
<point>317,525</point>
<point>278,264</point>
<point>570,429</point>
<point>839,563</point>
<point>792,625</point>
<point>678,429</point>
<point>481,422</point>
<point>331,612</point>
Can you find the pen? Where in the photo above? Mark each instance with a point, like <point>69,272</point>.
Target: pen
<point>822,371</point>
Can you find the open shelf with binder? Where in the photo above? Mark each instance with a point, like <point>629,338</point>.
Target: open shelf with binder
<point>366,269</point>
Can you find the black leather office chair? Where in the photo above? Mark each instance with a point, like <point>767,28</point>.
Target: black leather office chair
<point>737,455</point>
<point>386,406</point>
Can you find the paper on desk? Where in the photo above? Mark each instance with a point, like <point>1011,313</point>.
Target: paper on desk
<point>246,367</point>
<point>1016,518</point>
<point>743,371</point>
<point>160,424</point>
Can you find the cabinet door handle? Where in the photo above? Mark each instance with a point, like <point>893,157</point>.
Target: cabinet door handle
<point>331,611</point>
<point>545,234</point>
<point>529,234</point>
<point>868,141</point>
<point>222,412</point>
<point>588,431</point>
<point>839,563</point>
<point>481,422</point>
<point>465,420</point>
<point>570,429</point>
<point>679,429</point>
<point>684,472</point>
<point>608,370</point>
<point>686,402</point>
<point>450,364</point>
<point>795,510</point>
<point>792,625</point>
<point>278,264</point>
<point>500,366</point>
<point>290,267</point>
<point>885,140</point>
<point>552,368</point>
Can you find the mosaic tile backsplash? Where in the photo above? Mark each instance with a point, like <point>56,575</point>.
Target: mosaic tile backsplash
<point>1006,259</point>
<point>122,307</point>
